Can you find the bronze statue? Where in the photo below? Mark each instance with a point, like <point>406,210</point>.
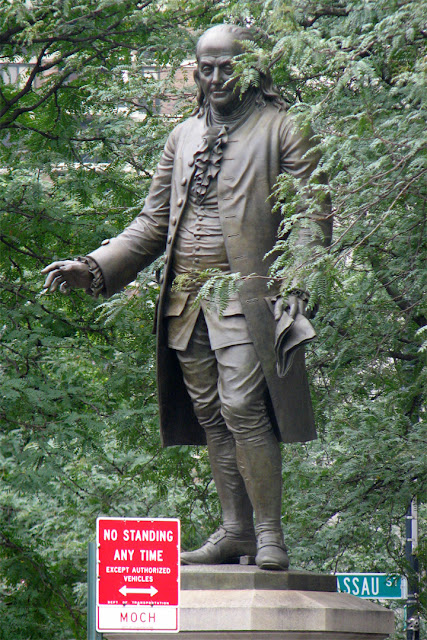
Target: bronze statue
<point>218,383</point>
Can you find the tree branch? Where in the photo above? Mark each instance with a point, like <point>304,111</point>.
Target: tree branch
<point>397,297</point>
<point>326,11</point>
<point>5,541</point>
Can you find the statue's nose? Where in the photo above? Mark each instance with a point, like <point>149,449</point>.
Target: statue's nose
<point>216,79</point>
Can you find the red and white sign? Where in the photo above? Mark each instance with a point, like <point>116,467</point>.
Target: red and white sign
<point>137,574</point>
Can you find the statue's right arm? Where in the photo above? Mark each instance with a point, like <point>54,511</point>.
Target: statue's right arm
<point>122,257</point>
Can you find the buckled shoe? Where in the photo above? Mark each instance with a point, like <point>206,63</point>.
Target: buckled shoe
<point>272,553</point>
<point>221,547</point>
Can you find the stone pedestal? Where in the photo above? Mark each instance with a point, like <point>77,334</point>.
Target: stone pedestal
<point>233,602</point>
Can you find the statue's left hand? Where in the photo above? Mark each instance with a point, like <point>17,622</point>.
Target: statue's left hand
<point>293,304</point>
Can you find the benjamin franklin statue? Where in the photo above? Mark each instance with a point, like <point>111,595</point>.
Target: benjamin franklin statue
<point>209,206</point>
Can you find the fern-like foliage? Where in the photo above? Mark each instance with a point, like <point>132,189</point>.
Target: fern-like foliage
<point>82,129</point>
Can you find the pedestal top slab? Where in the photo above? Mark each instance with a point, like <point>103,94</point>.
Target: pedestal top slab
<point>234,576</point>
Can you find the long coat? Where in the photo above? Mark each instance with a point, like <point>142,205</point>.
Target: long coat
<point>265,145</point>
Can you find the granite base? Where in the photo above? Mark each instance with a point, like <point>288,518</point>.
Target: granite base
<point>232,602</point>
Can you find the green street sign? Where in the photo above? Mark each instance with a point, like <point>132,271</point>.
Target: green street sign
<point>383,586</point>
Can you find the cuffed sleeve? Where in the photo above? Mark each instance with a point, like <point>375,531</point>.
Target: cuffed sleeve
<point>97,286</point>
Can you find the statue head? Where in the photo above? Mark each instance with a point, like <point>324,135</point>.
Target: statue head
<point>216,82</point>
<point>215,52</point>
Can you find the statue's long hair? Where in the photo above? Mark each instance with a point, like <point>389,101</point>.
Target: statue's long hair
<point>265,91</point>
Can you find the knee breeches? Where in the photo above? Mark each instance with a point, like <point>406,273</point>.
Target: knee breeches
<point>227,386</point>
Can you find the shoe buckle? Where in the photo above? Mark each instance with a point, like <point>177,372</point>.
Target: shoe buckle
<point>270,539</point>
<point>218,535</point>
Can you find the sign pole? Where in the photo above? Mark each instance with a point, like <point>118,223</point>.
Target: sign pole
<point>412,617</point>
<point>92,633</point>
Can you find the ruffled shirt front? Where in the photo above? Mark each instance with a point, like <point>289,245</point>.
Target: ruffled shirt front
<point>207,162</point>
<point>200,244</point>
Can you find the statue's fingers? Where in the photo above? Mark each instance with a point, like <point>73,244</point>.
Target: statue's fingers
<point>278,309</point>
<point>53,266</point>
<point>50,278</point>
<point>56,282</point>
<point>293,306</point>
<point>302,306</point>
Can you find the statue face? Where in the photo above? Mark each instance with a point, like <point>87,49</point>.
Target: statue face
<point>215,70</point>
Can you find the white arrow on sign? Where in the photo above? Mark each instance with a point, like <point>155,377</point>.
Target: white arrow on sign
<point>152,590</point>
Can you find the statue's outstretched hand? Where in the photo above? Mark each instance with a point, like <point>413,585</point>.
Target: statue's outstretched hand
<point>67,274</point>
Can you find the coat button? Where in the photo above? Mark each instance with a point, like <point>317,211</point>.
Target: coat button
<point>173,221</point>
<point>190,163</point>
<point>161,279</point>
<point>184,181</point>
<point>169,239</point>
<point>166,259</point>
<point>179,202</point>
<point>104,242</point>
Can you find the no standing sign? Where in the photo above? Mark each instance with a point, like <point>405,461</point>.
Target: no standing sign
<point>137,574</point>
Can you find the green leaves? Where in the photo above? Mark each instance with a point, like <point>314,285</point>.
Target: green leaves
<point>81,132</point>
<point>81,135</point>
